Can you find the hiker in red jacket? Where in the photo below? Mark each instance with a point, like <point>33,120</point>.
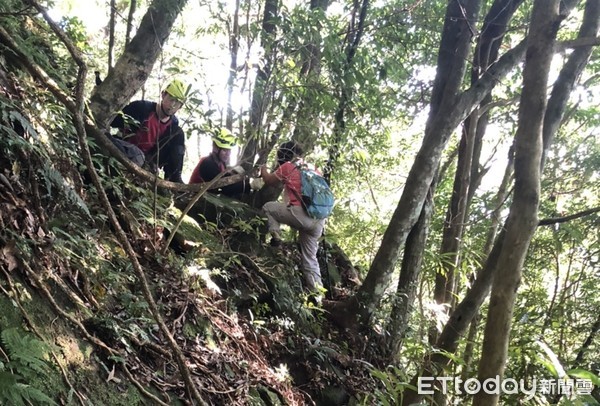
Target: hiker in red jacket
<point>292,212</point>
<point>150,132</point>
<point>216,162</point>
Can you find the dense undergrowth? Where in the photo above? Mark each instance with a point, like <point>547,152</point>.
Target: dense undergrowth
<point>77,329</point>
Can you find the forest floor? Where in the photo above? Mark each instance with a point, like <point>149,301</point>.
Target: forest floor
<point>247,332</point>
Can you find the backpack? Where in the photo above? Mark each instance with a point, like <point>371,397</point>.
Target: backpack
<point>317,197</point>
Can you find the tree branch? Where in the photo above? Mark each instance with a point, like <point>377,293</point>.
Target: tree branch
<point>558,220</point>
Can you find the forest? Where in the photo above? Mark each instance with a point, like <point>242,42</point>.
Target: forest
<point>460,263</point>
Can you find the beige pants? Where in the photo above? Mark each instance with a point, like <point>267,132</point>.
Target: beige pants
<point>310,231</point>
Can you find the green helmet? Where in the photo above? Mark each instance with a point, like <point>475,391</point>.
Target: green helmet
<point>223,138</point>
<point>176,89</point>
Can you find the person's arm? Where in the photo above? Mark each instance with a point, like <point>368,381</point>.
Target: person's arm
<point>238,188</point>
<point>209,170</point>
<point>270,178</point>
<point>132,115</point>
<point>195,177</point>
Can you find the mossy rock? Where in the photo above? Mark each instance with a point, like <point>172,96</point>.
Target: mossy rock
<point>247,225</point>
<point>190,231</point>
<point>218,209</point>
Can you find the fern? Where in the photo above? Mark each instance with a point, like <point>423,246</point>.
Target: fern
<point>54,177</point>
<point>26,361</point>
<point>13,392</point>
<point>25,350</point>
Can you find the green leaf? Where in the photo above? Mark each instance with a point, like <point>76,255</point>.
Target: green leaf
<point>584,374</point>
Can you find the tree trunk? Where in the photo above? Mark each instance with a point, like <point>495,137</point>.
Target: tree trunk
<point>569,75</point>
<point>111,34</point>
<point>311,69</point>
<point>354,36</point>
<point>469,306</point>
<point>469,347</point>
<point>522,219</point>
<point>408,282</point>
<point>132,8</point>
<point>586,344</point>
<point>455,219</point>
<point>234,45</point>
<point>258,102</point>
<point>307,118</point>
<point>458,322</point>
<point>486,52</point>
<point>445,114</point>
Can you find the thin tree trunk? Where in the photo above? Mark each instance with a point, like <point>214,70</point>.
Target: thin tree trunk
<point>469,347</point>
<point>486,52</point>
<point>111,33</point>
<point>132,7</point>
<point>522,219</point>
<point>307,119</point>
<point>411,269</point>
<point>468,308</point>
<point>459,320</point>
<point>587,344</point>
<point>234,45</point>
<point>569,75</point>
<point>408,282</point>
<point>454,223</point>
<point>355,33</point>
<point>258,101</point>
<point>550,311</point>
<point>75,105</point>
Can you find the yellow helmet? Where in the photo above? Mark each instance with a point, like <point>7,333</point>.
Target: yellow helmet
<point>176,89</point>
<point>223,138</point>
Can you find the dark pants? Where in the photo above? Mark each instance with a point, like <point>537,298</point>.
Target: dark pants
<point>132,152</point>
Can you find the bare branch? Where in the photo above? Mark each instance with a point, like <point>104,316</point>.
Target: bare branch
<point>558,220</point>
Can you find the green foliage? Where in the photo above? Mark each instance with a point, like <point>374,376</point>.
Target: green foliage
<point>26,363</point>
<point>394,381</point>
<point>53,177</point>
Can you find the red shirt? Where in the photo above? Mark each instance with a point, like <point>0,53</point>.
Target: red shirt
<point>289,175</point>
<point>207,169</point>
<point>146,136</point>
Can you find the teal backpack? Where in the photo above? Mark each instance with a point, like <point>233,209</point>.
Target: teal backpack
<point>317,197</point>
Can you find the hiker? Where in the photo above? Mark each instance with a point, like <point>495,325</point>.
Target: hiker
<point>292,212</point>
<point>217,161</point>
<point>150,132</point>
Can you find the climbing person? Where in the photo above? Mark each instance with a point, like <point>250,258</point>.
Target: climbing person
<point>293,213</point>
<point>215,163</point>
<point>150,134</point>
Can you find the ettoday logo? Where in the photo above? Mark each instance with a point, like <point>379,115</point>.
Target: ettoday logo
<point>507,386</point>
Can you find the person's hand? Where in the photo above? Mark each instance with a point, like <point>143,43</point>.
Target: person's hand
<point>237,169</point>
<point>257,183</point>
<point>255,172</point>
<point>263,170</point>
